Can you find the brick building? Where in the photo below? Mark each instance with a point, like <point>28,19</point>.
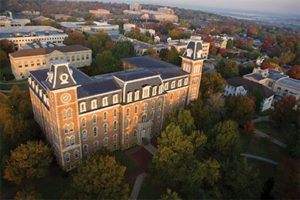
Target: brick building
<point>80,114</point>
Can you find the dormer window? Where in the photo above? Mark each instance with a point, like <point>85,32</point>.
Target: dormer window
<point>82,107</point>
<point>166,86</point>
<point>186,80</point>
<point>146,92</point>
<point>129,97</point>
<point>179,83</point>
<point>94,104</point>
<point>136,95</point>
<point>161,89</point>
<point>105,101</point>
<point>116,99</point>
<point>154,90</point>
<point>173,84</point>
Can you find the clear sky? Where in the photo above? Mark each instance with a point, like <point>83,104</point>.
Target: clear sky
<point>273,6</point>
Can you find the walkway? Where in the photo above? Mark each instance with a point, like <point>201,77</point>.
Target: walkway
<point>261,134</point>
<point>259,158</point>
<point>262,119</point>
<point>150,148</point>
<point>137,186</point>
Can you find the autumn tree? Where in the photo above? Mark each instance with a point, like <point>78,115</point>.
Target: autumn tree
<point>28,161</point>
<point>240,108</point>
<point>285,111</point>
<point>294,72</point>
<point>99,42</point>
<point>27,193</point>
<point>227,68</point>
<point>75,38</point>
<point>170,195</point>
<point>101,177</point>
<point>212,83</point>
<point>287,180</point>
<point>182,118</point>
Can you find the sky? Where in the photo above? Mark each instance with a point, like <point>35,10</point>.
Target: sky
<point>269,6</point>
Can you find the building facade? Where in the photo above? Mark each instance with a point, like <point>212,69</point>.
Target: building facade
<point>80,114</point>
<point>24,35</point>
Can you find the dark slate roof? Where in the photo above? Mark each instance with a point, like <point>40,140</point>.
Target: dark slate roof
<point>97,87</point>
<point>239,81</point>
<point>166,70</point>
<point>130,75</point>
<point>43,51</point>
<point>194,47</point>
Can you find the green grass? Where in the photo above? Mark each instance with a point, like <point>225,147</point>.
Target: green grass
<point>149,190</point>
<point>125,160</point>
<point>6,86</point>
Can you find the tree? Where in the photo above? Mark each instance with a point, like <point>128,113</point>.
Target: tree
<point>229,44</point>
<point>173,56</point>
<point>239,180</point>
<point>75,38</point>
<point>163,54</point>
<point>99,42</point>
<point>294,72</point>
<point>170,195</point>
<point>105,62</point>
<point>240,108</point>
<point>151,52</point>
<point>7,46</point>
<point>123,49</point>
<point>101,177</point>
<point>182,118</point>
<point>285,111</point>
<point>227,68</point>
<point>212,83</point>
<point>4,61</point>
<point>27,193</point>
<point>28,161</point>
<point>287,180</point>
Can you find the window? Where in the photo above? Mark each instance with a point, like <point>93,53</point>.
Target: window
<point>105,129</point>
<point>105,101</point>
<point>94,104</point>
<point>127,136</point>
<point>116,98</point>
<point>173,84</point>
<point>105,116</point>
<point>84,135</point>
<point>135,109</point>
<point>127,111</point>
<point>145,106</point>
<point>67,157</point>
<point>115,125</point>
<point>69,113</point>
<point>64,114</point>
<point>146,92</point>
<point>72,140</point>
<point>154,90</point>
<point>66,128</point>
<point>135,120</point>
<point>83,122</point>
<point>105,141</point>
<point>135,133</point>
<point>67,141</point>
<point>161,88</point>
<point>94,119</point>
<point>115,112</point>
<point>179,83</point>
<point>96,144</point>
<point>76,154</point>
<point>186,80</point>
<point>115,137</point>
<point>95,131</point>
<point>129,97</point>
<point>166,86</point>
<point>127,123</point>
<point>82,107</point>
<point>136,95</point>
<point>144,118</point>
<point>85,148</point>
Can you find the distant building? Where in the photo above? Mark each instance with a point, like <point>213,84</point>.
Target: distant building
<point>24,35</point>
<point>99,12</point>
<point>11,22</point>
<point>24,61</point>
<point>40,19</point>
<point>81,114</point>
<point>166,10</point>
<point>239,86</point>
<point>282,85</point>
<point>61,16</point>
<point>31,12</point>
<point>135,7</point>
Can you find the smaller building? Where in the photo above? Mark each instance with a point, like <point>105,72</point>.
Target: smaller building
<point>61,16</point>
<point>8,22</point>
<point>239,86</point>
<point>24,61</point>
<point>99,12</point>
<point>135,7</point>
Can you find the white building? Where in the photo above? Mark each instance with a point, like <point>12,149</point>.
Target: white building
<point>8,22</point>
<point>24,35</point>
<point>239,86</point>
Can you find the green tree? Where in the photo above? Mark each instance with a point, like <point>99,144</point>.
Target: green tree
<point>164,53</point>
<point>182,118</point>
<point>240,108</point>
<point>4,61</point>
<point>229,44</point>
<point>75,38</point>
<point>98,42</point>
<point>170,195</point>
<point>28,161</point>
<point>173,56</point>
<point>212,83</point>
<point>101,177</point>
<point>123,49</point>
<point>105,62</point>
<point>27,193</point>
<point>227,68</point>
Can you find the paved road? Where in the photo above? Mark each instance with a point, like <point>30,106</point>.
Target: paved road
<point>261,134</point>
<point>137,186</point>
<point>259,158</point>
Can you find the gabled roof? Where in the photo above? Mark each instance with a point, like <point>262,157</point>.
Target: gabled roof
<point>250,85</point>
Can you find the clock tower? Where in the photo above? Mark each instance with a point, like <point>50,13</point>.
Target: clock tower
<point>63,109</point>
<point>192,63</point>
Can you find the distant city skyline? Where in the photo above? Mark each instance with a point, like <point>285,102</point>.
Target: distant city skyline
<point>268,6</point>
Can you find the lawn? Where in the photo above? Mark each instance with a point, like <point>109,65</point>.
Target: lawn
<point>268,128</point>
<point>149,190</point>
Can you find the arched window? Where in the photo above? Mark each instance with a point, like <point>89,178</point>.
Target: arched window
<point>85,148</point>
<point>105,129</point>
<point>127,111</point>
<point>67,141</point>
<point>83,122</point>
<point>115,125</point>
<point>67,157</point>
<point>95,131</point>
<point>82,107</point>
<point>73,140</point>
<point>84,135</point>
<point>115,137</point>
<point>145,106</point>
<point>105,116</point>
<point>64,114</point>
<point>66,128</point>
<point>144,118</point>
<point>69,113</point>
<point>115,112</point>
<point>135,109</point>
<point>105,141</point>
<point>76,154</point>
<point>96,144</point>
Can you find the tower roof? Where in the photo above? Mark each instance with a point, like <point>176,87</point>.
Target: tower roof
<point>194,49</point>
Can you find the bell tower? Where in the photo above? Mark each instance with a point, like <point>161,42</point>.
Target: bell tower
<point>63,109</point>
<point>192,63</point>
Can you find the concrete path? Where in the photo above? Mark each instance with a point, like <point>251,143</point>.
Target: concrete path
<point>137,186</point>
<point>259,158</point>
<point>262,119</point>
<point>261,134</point>
<point>149,147</point>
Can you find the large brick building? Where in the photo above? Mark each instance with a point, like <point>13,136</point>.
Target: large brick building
<point>80,114</point>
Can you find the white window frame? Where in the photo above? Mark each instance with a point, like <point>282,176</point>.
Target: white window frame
<point>137,95</point>
<point>179,83</point>
<point>82,106</point>
<point>146,92</point>
<point>94,104</point>
<point>154,90</point>
<point>186,80</point>
<point>84,134</point>
<point>116,98</point>
<point>173,84</point>
<point>105,101</point>
<point>129,97</point>
<point>166,86</point>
